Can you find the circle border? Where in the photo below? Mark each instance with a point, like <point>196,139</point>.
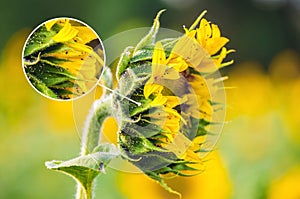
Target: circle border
<point>104,59</point>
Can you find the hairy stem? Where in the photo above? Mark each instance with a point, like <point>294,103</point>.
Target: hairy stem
<point>100,110</point>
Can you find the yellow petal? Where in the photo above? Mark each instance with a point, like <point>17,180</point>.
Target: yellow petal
<point>213,45</point>
<point>191,33</point>
<point>158,61</point>
<point>67,54</point>
<point>215,31</point>
<point>49,24</point>
<point>150,88</point>
<point>159,100</point>
<point>171,74</point>
<point>222,56</point>
<point>85,34</point>
<point>174,114</point>
<point>203,32</point>
<point>80,47</point>
<point>159,56</point>
<point>190,50</point>
<point>173,101</point>
<point>199,85</point>
<point>66,33</point>
<point>206,110</point>
<point>177,62</point>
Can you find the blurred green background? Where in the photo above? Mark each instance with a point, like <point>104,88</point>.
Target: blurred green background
<point>258,155</point>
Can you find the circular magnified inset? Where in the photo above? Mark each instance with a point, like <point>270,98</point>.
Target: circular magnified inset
<point>63,59</point>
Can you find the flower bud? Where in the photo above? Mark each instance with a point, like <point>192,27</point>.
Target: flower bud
<point>165,99</point>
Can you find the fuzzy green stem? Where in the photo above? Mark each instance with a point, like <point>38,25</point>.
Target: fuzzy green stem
<point>82,193</point>
<point>100,110</point>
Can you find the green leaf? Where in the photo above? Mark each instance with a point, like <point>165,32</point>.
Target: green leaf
<point>84,169</point>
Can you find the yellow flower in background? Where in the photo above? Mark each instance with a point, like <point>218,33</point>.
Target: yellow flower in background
<point>285,75</point>
<point>54,119</point>
<point>261,142</point>
<point>14,87</point>
<point>284,67</point>
<point>212,183</point>
<point>252,94</point>
<point>287,186</point>
<point>292,112</point>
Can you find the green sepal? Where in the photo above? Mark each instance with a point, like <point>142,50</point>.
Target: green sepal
<point>151,36</point>
<point>162,183</point>
<point>129,83</point>
<point>123,61</point>
<point>40,86</point>
<point>146,53</point>
<point>46,67</point>
<point>177,170</point>
<point>145,105</point>
<point>136,143</point>
<point>107,78</point>
<point>41,40</point>
<point>63,93</point>
<point>143,54</point>
<point>144,128</point>
<point>51,80</point>
<point>201,131</point>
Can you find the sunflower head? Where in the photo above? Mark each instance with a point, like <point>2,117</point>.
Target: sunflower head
<point>165,98</point>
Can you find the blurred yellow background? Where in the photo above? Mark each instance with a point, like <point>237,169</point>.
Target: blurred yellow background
<point>258,154</point>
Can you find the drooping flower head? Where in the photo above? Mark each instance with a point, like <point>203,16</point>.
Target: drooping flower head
<point>172,86</point>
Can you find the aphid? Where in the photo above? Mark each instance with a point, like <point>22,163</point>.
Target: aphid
<point>101,168</point>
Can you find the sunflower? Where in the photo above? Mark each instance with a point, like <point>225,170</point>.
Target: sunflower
<point>172,81</point>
